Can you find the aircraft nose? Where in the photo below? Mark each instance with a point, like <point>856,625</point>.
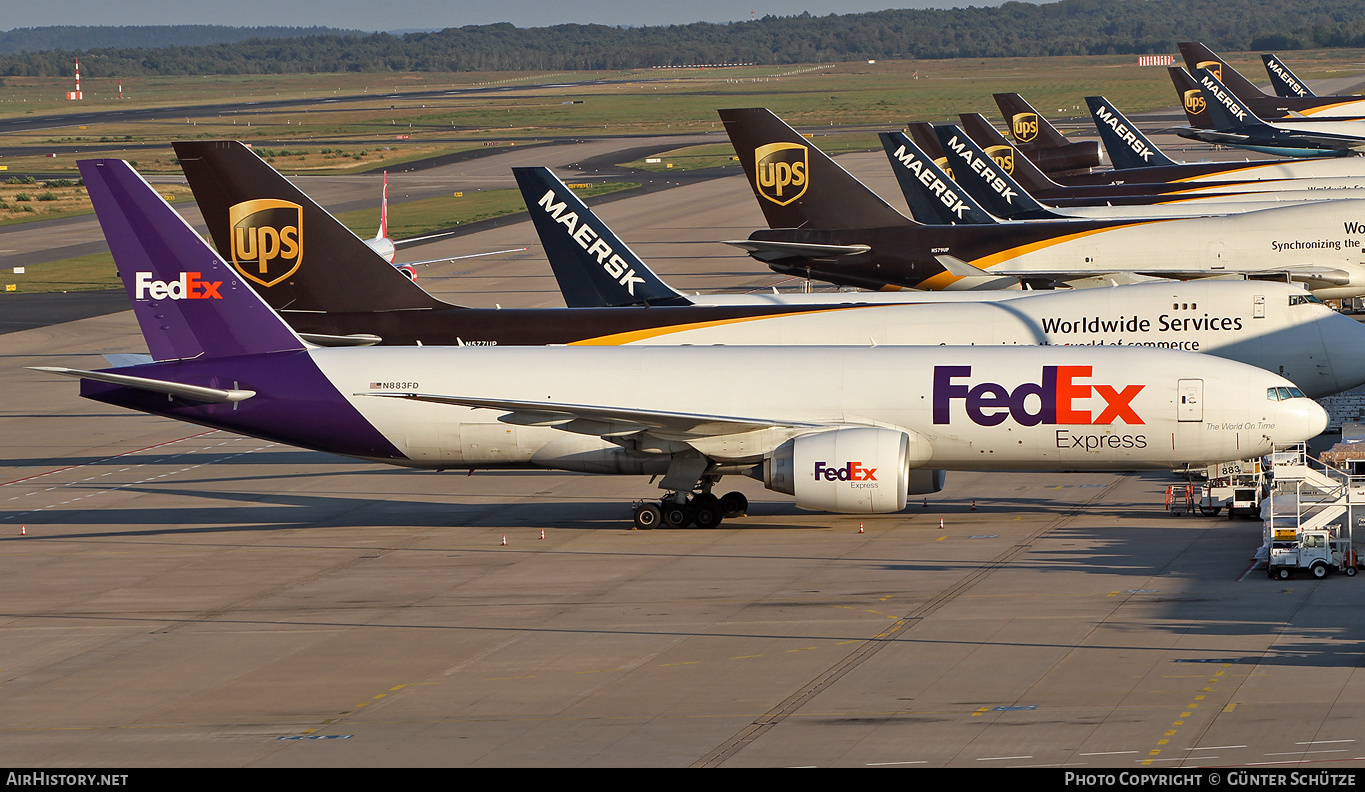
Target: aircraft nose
<point>1298,420</point>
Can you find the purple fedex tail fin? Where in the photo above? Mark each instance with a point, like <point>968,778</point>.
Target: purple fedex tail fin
<point>189,303</point>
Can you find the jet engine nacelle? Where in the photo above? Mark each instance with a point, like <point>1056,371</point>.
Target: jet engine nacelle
<point>854,470</point>
<point>1081,155</point>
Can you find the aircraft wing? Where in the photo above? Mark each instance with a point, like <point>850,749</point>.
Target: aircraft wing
<point>1297,272</point>
<point>610,421</point>
<point>191,392</point>
<point>775,251</point>
<point>1301,139</point>
<point>447,258</point>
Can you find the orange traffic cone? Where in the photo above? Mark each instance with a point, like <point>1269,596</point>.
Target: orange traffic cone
<point>504,540</point>
<point>940,523</point>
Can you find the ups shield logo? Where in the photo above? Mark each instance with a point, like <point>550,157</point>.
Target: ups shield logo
<point>267,239</point>
<point>1194,101</point>
<point>781,171</point>
<point>1025,126</point>
<point>1215,68</point>
<point>1003,156</point>
<point>942,163</point>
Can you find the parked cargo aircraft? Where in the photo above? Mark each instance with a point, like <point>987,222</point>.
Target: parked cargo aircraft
<point>1274,326</point>
<point>1197,57</point>
<point>334,290</point>
<point>1135,192</point>
<point>987,179</point>
<point>875,426</point>
<point>1136,158</point>
<point>1217,116</point>
<point>826,225</point>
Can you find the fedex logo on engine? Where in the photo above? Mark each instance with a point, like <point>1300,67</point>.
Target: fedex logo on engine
<point>853,471</point>
<point>190,286</point>
<point>1060,398</point>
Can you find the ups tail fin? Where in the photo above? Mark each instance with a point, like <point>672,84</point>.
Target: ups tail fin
<point>1197,57</point>
<point>1125,143</point>
<point>1287,83</point>
<point>796,184</point>
<point>987,178</point>
<point>593,266</point>
<point>993,143</point>
<point>290,249</point>
<point>1191,99</point>
<point>1028,127</point>
<point>187,300</point>
<point>934,198</point>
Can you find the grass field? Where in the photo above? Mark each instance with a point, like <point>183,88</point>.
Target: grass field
<point>390,128</point>
<point>841,104</point>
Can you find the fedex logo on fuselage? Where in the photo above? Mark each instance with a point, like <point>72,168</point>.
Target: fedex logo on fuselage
<point>591,241</point>
<point>190,286</point>
<point>1052,401</point>
<point>853,471</point>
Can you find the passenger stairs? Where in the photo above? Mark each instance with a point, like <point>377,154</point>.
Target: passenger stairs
<point>1307,495</point>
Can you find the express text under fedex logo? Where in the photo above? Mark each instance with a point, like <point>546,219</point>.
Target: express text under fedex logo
<point>1052,401</point>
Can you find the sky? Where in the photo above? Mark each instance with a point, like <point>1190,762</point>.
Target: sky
<point>428,14</point>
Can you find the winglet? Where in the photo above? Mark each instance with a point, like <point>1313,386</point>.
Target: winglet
<point>188,301</point>
<point>593,266</point>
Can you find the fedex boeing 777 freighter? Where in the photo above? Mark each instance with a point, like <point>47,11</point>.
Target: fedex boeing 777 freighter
<point>843,429</point>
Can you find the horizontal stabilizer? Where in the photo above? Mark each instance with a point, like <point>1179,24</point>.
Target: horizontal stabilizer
<point>358,339</point>
<point>190,392</point>
<point>764,250</point>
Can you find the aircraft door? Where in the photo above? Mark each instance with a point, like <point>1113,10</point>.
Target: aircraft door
<point>1190,406</point>
<point>1258,307</point>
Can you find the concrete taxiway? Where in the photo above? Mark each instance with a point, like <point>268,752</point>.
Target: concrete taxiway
<point>180,597</point>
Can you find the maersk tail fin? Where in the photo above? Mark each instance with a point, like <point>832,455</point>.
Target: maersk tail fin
<point>934,198</point>
<point>1125,143</point>
<point>188,301</point>
<point>988,179</point>
<point>299,257</point>
<point>1285,82</point>
<point>796,184</point>
<point>593,266</point>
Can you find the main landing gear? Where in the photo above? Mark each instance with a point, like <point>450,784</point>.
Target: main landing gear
<point>682,510</point>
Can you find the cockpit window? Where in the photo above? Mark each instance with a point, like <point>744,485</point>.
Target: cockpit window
<point>1302,299</point>
<point>1280,394</point>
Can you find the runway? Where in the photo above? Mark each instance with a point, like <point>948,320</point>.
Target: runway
<point>176,597</point>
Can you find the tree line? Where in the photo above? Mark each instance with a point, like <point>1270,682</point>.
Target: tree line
<point>1068,27</point>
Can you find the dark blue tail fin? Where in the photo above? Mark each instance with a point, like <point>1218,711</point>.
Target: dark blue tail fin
<point>1127,146</point>
<point>593,266</point>
<point>987,179</point>
<point>188,301</point>
<point>1225,110</point>
<point>933,197</point>
<point>1287,84</point>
